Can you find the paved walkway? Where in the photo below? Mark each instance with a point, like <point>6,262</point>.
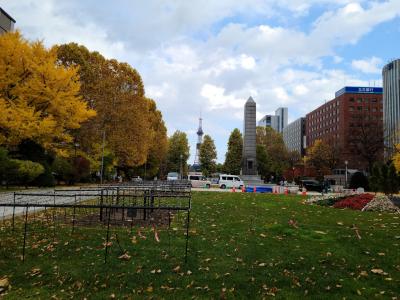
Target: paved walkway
<point>40,196</point>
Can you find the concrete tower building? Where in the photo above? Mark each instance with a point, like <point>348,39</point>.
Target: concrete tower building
<point>249,163</point>
<point>391,105</point>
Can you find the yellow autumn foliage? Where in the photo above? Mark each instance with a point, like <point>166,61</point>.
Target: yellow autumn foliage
<point>39,98</point>
<point>396,158</point>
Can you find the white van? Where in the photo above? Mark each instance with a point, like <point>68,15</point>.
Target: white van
<point>230,181</point>
<point>199,181</point>
<point>172,176</point>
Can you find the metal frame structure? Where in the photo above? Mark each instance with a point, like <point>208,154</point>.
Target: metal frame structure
<point>120,205</point>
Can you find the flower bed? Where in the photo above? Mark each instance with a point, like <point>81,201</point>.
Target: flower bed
<point>327,200</point>
<point>357,202</point>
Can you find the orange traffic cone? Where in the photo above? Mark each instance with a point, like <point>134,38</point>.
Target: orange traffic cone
<point>243,189</point>
<point>286,191</point>
<point>304,192</point>
<point>254,189</point>
<point>233,189</point>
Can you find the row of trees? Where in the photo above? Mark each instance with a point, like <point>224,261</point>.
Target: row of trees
<point>71,110</point>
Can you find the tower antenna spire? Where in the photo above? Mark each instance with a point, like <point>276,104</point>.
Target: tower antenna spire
<point>200,133</point>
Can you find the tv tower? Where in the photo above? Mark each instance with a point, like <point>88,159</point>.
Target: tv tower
<point>199,141</point>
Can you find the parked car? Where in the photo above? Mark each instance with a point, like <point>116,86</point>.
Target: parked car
<point>137,179</point>
<point>199,181</point>
<point>172,176</point>
<point>229,181</point>
<point>312,185</point>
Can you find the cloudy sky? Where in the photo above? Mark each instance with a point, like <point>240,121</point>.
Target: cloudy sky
<point>208,57</point>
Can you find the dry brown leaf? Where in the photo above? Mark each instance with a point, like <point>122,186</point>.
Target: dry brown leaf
<point>125,256</point>
<point>378,271</point>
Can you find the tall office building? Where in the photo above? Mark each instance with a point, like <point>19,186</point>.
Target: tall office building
<point>269,121</point>
<point>6,22</point>
<point>391,105</point>
<point>282,114</point>
<point>277,121</point>
<point>353,118</point>
<point>294,136</point>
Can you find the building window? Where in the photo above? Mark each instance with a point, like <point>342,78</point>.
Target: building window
<point>359,100</point>
<point>351,99</point>
<point>373,100</point>
<point>351,108</point>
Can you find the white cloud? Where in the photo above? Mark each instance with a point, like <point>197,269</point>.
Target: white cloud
<point>371,65</point>
<point>218,100</point>
<point>300,90</point>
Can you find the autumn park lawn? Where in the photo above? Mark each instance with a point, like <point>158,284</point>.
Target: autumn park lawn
<point>241,245</point>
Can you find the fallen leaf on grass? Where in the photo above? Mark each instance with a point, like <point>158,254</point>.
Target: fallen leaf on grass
<point>125,256</point>
<point>141,235</point>
<point>109,244</point>
<point>176,269</point>
<point>378,271</point>
<point>35,271</point>
<point>320,232</point>
<point>293,223</point>
<point>262,264</point>
<point>4,284</point>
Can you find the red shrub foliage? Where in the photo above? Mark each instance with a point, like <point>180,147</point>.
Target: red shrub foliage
<point>354,202</point>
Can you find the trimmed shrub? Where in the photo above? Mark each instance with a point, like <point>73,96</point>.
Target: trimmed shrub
<point>46,179</point>
<point>27,171</point>
<point>359,180</point>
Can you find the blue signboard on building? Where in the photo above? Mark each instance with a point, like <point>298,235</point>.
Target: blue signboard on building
<point>359,90</point>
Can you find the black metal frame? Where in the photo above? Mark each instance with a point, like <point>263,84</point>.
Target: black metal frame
<point>142,196</point>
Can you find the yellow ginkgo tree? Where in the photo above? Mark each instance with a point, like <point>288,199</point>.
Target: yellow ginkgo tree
<point>396,158</point>
<point>39,97</point>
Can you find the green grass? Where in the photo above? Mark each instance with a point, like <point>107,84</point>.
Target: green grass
<point>241,246</point>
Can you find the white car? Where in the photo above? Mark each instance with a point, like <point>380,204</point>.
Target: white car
<point>172,176</point>
<point>199,181</point>
<point>230,181</point>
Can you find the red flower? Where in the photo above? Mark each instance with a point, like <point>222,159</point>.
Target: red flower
<point>354,202</point>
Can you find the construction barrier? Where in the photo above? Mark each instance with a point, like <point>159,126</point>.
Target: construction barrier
<point>259,189</point>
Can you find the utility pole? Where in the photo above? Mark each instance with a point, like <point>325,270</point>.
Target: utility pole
<point>102,157</point>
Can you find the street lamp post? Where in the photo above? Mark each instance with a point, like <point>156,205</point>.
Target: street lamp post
<point>102,157</point>
<point>76,145</point>
<point>346,162</point>
<point>293,174</point>
<point>180,171</point>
